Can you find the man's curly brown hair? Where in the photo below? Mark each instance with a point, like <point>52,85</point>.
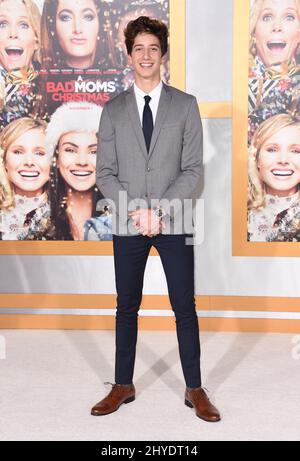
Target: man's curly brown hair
<point>142,25</point>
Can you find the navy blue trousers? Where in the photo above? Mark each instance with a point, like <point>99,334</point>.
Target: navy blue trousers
<point>130,257</point>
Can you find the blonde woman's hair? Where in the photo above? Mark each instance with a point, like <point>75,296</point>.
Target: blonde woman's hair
<point>35,21</point>
<point>256,188</point>
<point>256,8</point>
<point>9,135</point>
<point>6,192</point>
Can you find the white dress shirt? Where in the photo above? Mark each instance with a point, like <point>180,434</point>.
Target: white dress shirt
<point>154,95</point>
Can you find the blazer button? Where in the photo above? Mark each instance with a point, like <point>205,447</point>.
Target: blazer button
<point>148,169</point>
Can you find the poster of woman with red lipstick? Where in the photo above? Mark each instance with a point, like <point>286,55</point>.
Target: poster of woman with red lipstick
<point>71,143</point>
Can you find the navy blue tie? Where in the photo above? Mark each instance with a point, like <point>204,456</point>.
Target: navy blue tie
<point>147,122</point>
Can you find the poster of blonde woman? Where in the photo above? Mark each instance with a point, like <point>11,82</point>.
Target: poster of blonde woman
<point>266,129</point>
<point>60,62</point>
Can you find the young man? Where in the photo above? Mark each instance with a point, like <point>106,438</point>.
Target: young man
<point>150,150</point>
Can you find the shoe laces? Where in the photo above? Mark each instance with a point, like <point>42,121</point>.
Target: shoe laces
<point>114,388</point>
<point>107,383</point>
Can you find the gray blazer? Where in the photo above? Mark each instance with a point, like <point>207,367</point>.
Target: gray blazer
<point>171,170</point>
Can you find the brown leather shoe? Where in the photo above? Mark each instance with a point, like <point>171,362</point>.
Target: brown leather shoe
<point>197,398</point>
<point>119,394</point>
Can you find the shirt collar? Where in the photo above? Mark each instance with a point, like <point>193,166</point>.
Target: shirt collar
<point>152,93</point>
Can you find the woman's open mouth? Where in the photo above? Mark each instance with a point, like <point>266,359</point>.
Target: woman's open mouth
<point>29,174</point>
<point>14,52</point>
<point>276,46</point>
<point>81,173</point>
<point>282,173</point>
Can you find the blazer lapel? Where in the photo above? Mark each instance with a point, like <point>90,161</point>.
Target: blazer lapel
<point>135,119</point>
<point>163,107</point>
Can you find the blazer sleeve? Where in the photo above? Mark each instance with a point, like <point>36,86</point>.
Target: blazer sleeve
<point>191,158</point>
<point>107,163</point>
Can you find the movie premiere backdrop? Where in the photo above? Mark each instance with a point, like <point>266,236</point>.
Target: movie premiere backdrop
<point>266,128</point>
<point>60,62</point>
